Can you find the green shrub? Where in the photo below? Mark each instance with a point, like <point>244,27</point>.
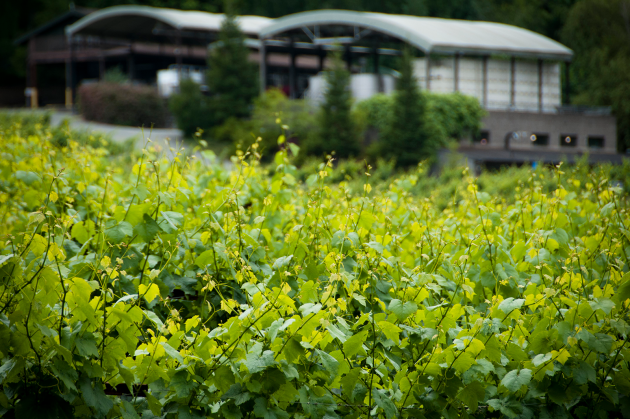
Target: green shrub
<point>274,114</point>
<point>458,115</point>
<point>23,123</point>
<point>122,104</point>
<point>338,130</point>
<point>447,116</point>
<point>191,109</point>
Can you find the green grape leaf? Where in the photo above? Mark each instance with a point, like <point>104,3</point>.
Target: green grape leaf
<point>510,304</point>
<point>384,401</point>
<point>603,304</point>
<point>182,384</point>
<point>330,363</point>
<point>86,345</point>
<point>402,310</point>
<point>128,411</point>
<point>472,394</point>
<point>147,229</point>
<point>256,363</point>
<point>94,396</point>
<point>623,292</point>
<point>515,379</point>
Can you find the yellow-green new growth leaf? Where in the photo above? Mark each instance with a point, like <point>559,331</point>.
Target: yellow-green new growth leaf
<point>149,292</point>
<point>354,344</point>
<point>390,330</point>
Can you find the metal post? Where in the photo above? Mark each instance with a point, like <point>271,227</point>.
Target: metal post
<point>292,90</point>
<point>263,67</point>
<point>428,59</point>
<point>485,81</point>
<point>32,69</point>
<point>540,85</point>
<point>512,82</point>
<point>456,73</point>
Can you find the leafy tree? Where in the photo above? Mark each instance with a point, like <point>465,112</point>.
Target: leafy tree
<point>338,130</point>
<point>600,70</point>
<point>404,138</point>
<point>232,79</point>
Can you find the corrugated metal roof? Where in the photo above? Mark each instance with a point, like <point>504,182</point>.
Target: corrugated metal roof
<point>178,19</point>
<point>434,34</point>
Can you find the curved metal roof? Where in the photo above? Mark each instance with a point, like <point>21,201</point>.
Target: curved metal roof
<point>123,19</point>
<point>433,34</point>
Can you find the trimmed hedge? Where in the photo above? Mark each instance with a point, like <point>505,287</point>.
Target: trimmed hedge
<point>122,104</point>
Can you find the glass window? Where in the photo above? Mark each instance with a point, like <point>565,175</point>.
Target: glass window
<point>482,138</point>
<point>595,142</point>
<point>539,139</point>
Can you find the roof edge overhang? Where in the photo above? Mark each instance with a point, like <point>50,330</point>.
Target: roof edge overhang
<point>115,11</point>
<point>370,21</point>
<point>80,13</point>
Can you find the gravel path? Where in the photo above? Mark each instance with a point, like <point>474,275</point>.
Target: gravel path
<point>120,133</point>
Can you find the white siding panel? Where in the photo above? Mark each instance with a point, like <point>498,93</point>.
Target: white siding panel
<point>498,84</point>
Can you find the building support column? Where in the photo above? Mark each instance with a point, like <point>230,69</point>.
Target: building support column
<point>131,64</point>
<point>31,77</point>
<point>512,82</point>
<point>540,86</point>
<point>380,88</point>
<point>263,67</point>
<point>484,94</point>
<point>567,83</point>
<point>348,54</point>
<point>428,75</point>
<point>322,59</point>
<point>178,56</point>
<point>456,73</point>
<point>70,74</point>
<point>292,89</point>
<point>32,84</point>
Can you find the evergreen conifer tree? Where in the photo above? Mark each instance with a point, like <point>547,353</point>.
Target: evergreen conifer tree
<point>338,131</point>
<point>232,79</point>
<point>405,138</point>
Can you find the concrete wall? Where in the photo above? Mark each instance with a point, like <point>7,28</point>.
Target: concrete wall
<point>501,124</point>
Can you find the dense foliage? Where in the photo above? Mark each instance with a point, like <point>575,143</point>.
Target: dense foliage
<point>183,289</point>
<point>446,116</point>
<point>232,79</point>
<point>122,104</point>
<point>337,128</point>
<point>191,109</point>
<point>298,116</point>
<point>599,72</point>
<point>405,138</point>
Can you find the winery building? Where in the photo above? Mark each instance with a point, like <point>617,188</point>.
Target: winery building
<point>520,77</point>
